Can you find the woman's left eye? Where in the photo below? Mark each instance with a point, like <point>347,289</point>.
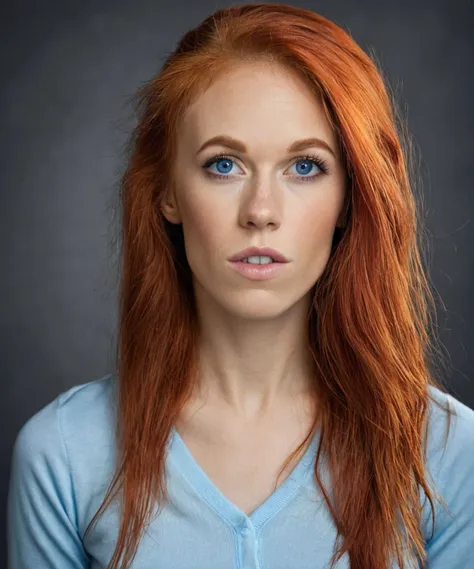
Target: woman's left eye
<point>307,165</point>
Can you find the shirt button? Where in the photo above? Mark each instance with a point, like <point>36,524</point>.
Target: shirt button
<point>245,530</point>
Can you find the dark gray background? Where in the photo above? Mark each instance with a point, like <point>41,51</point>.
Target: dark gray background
<point>68,70</point>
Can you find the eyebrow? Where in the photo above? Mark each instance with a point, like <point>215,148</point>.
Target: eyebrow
<point>235,144</point>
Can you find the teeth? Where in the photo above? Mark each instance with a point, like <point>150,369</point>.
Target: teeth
<point>258,260</point>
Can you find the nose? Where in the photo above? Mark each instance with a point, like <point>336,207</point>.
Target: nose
<point>262,207</point>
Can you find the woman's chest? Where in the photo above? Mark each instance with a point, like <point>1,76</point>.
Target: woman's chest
<point>246,469</point>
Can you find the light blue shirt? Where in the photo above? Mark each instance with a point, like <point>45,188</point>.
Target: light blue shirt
<point>63,463</point>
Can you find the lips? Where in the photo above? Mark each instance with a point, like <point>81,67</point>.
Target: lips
<point>259,251</point>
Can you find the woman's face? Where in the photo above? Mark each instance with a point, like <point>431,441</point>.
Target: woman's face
<point>266,195</point>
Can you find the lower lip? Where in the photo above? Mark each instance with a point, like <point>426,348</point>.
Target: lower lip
<point>258,272</point>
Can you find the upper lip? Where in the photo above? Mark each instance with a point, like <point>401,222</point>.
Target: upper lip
<point>258,251</point>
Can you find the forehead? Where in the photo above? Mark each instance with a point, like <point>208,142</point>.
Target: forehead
<point>258,103</point>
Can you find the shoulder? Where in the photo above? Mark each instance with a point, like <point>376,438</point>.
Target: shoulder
<point>450,439</point>
<point>59,462</point>
<point>72,436</point>
<point>79,409</point>
<point>450,456</point>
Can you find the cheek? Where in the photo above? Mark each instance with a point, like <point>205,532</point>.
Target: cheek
<point>315,224</point>
<point>203,228</point>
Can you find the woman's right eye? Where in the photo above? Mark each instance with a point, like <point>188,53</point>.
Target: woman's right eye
<point>224,165</point>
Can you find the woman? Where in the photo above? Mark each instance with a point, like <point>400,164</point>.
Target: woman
<point>273,405</point>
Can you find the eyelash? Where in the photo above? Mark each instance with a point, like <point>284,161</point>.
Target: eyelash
<point>320,163</point>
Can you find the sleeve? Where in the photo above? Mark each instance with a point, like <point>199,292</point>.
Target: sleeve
<point>452,544</point>
<point>41,528</point>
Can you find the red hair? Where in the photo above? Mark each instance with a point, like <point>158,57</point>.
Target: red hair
<point>372,311</point>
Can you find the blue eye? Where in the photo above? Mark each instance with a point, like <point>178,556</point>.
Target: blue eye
<point>224,164</point>
<point>308,166</point>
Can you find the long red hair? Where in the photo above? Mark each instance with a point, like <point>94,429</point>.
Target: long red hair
<point>372,311</point>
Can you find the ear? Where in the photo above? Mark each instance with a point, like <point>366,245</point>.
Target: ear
<point>169,207</point>
<point>342,219</point>
<point>343,215</point>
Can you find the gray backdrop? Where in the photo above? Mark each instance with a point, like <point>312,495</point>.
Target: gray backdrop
<point>68,70</point>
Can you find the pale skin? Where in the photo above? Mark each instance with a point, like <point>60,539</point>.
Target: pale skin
<point>254,404</point>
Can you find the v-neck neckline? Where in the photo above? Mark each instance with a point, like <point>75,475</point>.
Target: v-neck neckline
<point>192,471</point>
